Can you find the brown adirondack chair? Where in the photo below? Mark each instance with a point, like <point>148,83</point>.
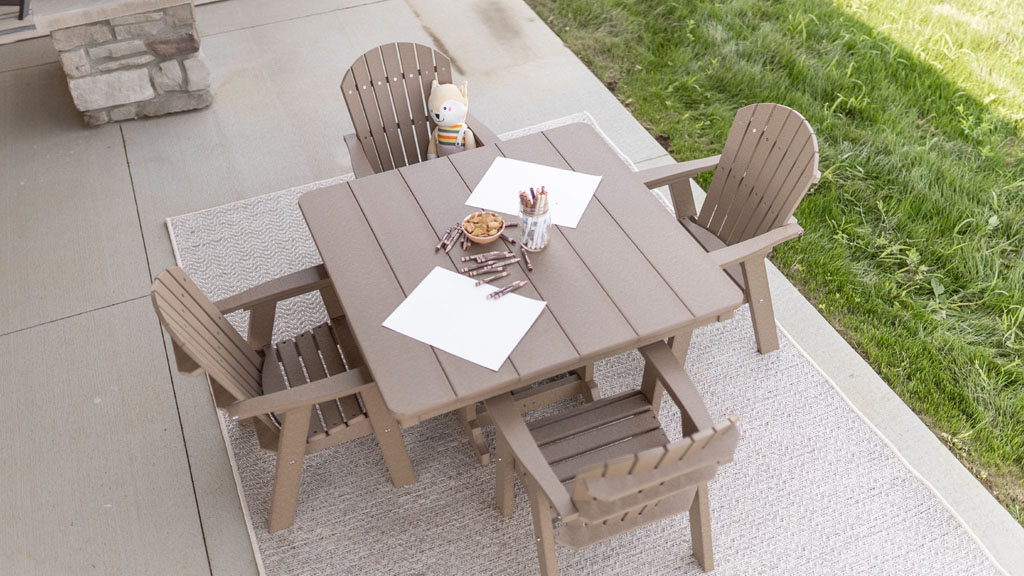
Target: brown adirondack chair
<point>386,92</point>
<point>295,411</point>
<point>607,467</point>
<point>769,162</point>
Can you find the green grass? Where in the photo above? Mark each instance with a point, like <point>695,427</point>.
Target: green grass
<point>914,247</point>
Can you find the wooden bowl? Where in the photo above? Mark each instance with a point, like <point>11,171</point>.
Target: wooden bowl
<point>483,239</point>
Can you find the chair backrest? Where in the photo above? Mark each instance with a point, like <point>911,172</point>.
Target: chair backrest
<point>769,162</point>
<point>637,489</point>
<point>386,91</point>
<point>199,329</point>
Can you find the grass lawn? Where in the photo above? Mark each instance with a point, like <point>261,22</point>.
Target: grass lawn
<point>914,244</point>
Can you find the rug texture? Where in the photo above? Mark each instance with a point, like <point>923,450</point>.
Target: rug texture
<point>813,489</point>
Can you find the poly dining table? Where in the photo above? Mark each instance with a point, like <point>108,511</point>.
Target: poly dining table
<point>626,276</point>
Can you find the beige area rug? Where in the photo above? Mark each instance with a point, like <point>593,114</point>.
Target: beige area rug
<point>813,489</point>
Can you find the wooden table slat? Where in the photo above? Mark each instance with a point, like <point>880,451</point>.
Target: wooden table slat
<point>407,240</point>
<point>369,292</point>
<point>441,192</point>
<point>667,246</point>
<point>643,297</point>
<point>589,317</point>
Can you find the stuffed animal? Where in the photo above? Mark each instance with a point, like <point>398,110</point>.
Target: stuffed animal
<point>448,108</point>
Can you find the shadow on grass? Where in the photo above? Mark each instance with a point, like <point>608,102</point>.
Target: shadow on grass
<point>914,236</point>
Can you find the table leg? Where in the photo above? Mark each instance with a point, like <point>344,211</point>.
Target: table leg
<point>470,423</point>
<point>650,386</point>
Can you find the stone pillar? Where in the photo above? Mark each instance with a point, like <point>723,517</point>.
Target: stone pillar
<point>131,59</point>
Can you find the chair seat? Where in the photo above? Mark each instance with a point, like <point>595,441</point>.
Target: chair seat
<point>596,432</point>
<point>311,356</point>
<point>709,242</point>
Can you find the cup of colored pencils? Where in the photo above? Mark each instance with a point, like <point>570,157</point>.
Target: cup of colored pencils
<point>535,229</point>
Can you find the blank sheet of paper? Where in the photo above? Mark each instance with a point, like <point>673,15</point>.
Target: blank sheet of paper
<point>569,192</point>
<point>448,312</point>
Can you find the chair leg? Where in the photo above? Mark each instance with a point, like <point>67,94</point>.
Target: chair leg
<point>700,528</point>
<point>504,476</point>
<point>587,386</point>
<point>291,448</point>
<point>542,529</point>
<point>755,276</point>
<point>389,438</point>
<point>470,424</point>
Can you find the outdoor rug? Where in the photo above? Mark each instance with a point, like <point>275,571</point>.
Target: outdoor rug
<point>813,488</point>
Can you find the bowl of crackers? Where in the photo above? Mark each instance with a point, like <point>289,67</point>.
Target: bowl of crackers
<point>483,227</point>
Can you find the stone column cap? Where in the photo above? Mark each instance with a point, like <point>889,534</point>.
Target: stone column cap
<point>58,14</point>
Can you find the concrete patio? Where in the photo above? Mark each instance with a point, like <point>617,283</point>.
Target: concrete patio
<point>115,463</point>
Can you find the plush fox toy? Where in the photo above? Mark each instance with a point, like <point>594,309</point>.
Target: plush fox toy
<point>449,105</point>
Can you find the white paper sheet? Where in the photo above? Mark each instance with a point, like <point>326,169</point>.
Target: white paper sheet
<point>448,312</point>
<point>569,192</point>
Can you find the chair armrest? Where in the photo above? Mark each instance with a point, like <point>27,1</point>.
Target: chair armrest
<point>758,246</point>
<point>283,288</point>
<point>507,420</point>
<point>662,175</point>
<point>677,382</point>
<point>481,132</point>
<point>361,165</point>
<point>330,388</point>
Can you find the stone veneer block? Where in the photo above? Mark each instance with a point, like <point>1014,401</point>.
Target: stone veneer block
<point>180,15</point>
<point>130,58</point>
<point>118,50</point>
<point>135,18</point>
<point>75,63</point>
<point>113,89</point>
<point>180,44</point>
<point>198,74</point>
<point>69,38</point>
<point>126,63</point>
<point>140,30</point>
<point>167,77</point>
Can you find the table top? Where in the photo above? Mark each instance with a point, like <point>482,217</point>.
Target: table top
<point>628,275</point>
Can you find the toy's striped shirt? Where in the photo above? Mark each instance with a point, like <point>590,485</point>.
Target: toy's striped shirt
<point>449,135</point>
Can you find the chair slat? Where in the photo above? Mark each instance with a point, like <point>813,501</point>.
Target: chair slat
<point>758,164</point>
<point>443,66</point>
<point>783,142</point>
<point>310,355</point>
<point>794,189</point>
<point>350,92</point>
<point>350,408</point>
<point>428,72</point>
<point>576,536</point>
<point>212,318</point>
<point>386,106</point>
<point>399,96</point>
<point>368,100</point>
<point>199,342</point>
<point>211,361</point>
<point>293,371</point>
<point>566,469</point>
<point>417,100</point>
<point>612,433</point>
<point>591,415</point>
<point>732,144</point>
<point>739,165</point>
<point>775,192</point>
